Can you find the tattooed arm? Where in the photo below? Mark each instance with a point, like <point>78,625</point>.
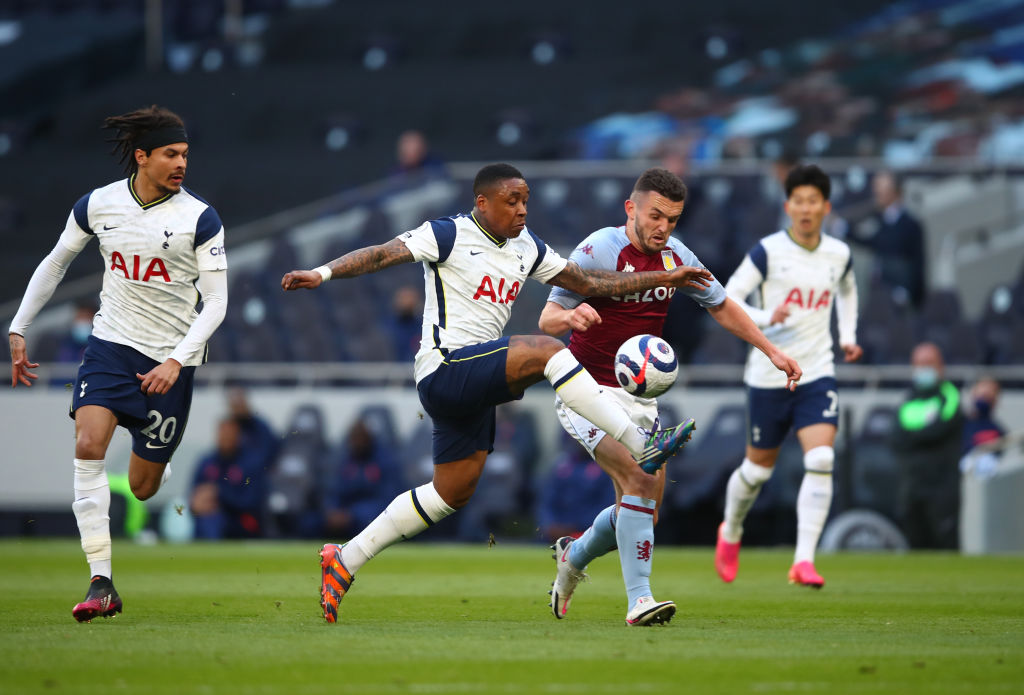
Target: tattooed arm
<point>608,283</point>
<point>359,262</point>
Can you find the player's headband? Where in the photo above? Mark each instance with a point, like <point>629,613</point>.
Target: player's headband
<point>158,138</point>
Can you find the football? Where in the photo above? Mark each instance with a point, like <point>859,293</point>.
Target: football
<point>646,366</point>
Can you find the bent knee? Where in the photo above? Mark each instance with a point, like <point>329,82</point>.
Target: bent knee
<point>90,447</point>
<point>145,488</point>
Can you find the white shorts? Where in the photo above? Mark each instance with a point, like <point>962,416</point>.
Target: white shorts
<point>642,411</point>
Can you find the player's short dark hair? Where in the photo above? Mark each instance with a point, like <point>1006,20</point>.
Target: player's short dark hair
<point>130,127</point>
<point>492,174</point>
<point>663,182</point>
<point>808,175</point>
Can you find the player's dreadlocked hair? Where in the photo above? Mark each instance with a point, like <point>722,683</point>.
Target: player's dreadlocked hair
<point>663,182</point>
<point>131,127</point>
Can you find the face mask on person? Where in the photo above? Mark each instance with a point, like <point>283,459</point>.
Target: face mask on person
<point>80,331</point>
<point>925,377</point>
<point>982,407</point>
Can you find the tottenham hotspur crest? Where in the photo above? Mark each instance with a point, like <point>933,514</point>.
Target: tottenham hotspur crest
<point>167,239</point>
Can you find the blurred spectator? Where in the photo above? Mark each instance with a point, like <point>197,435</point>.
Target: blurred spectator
<point>897,240</point>
<point>256,434</point>
<point>73,344</point>
<point>781,166</point>
<point>406,322</point>
<point>229,488</point>
<point>413,156</point>
<point>927,440</point>
<point>572,493</point>
<point>364,479</point>
<point>981,426</point>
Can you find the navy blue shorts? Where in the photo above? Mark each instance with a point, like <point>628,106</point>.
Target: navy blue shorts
<point>460,398</point>
<point>107,378</point>
<point>771,412</point>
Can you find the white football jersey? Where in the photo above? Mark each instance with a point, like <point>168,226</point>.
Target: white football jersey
<point>472,279</point>
<point>809,281</point>
<point>152,256</point>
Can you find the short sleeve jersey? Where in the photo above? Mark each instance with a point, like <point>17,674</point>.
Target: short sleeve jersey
<point>623,317</point>
<point>152,253</point>
<point>780,271</point>
<point>472,280</point>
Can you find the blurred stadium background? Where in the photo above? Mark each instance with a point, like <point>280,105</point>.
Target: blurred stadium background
<point>295,109</point>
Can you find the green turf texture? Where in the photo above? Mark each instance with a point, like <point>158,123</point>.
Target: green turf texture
<point>422,618</point>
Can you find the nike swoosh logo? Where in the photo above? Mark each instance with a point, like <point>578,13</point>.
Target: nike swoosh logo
<point>639,378</point>
<point>106,228</point>
<point>475,253</point>
<point>565,554</point>
<point>149,445</point>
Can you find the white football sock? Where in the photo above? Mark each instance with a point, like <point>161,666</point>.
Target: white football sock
<point>578,390</point>
<point>740,494</point>
<point>92,511</point>
<point>408,514</point>
<point>813,501</point>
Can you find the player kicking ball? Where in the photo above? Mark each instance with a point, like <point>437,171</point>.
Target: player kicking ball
<point>800,274</point>
<point>160,244</point>
<point>599,325</point>
<point>474,267</point>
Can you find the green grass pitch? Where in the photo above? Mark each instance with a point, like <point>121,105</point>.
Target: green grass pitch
<point>421,618</point>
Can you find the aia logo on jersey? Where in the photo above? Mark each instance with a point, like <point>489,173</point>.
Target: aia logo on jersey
<point>643,551</point>
<point>155,268</point>
<point>796,297</point>
<point>499,295</point>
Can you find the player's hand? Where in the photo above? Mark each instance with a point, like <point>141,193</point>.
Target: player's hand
<point>787,364</point>
<point>161,378</point>
<point>852,353</point>
<point>583,317</point>
<point>780,314</point>
<point>688,276</point>
<point>301,279</point>
<point>20,365</point>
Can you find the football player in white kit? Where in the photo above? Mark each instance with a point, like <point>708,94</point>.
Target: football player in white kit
<point>474,267</point>
<point>163,252</point>
<point>799,274</point>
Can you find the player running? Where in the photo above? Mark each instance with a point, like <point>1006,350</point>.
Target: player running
<point>799,274</point>
<point>163,251</point>
<point>598,327</point>
<point>474,266</point>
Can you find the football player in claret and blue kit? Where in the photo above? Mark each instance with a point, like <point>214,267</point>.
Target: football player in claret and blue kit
<point>599,325</point>
<point>163,252</point>
<point>474,267</point>
<point>799,274</point>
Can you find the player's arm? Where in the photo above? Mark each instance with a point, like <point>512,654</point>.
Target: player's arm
<point>747,278</point>
<point>846,314</point>
<point>360,262</point>
<point>731,316</point>
<point>557,320</point>
<point>41,286</point>
<point>609,283</point>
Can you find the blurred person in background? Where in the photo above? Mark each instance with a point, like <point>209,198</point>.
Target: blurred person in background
<point>364,478</point>
<point>406,322</point>
<point>897,240</point>
<point>475,265</point>
<point>256,434</point>
<point>162,249</point>
<point>413,156</point>
<point>799,274</point>
<point>72,347</point>
<point>229,488</point>
<point>927,439</point>
<point>598,327</point>
<point>980,424</point>
<point>572,493</point>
